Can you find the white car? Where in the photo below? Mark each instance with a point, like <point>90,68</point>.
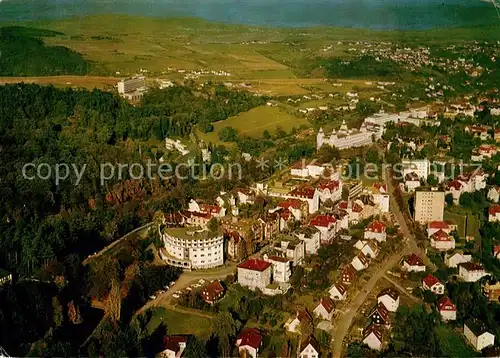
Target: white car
<point>178,292</point>
<point>172,283</point>
<point>189,288</point>
<point>196,285</point>
<point>202,281</point>
<point>153,297</point>
<point>175,295</point>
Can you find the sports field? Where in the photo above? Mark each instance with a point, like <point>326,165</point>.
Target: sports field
<point>254,122</point>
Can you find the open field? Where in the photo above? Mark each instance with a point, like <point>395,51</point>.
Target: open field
<point>88,82</point>
<point>452,344</point>
<point>180,323</point>
<point>254,122</point>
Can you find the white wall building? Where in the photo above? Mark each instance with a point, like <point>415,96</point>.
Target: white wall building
<point>477,335</point>
<point>254,273</point>
<point>419,166</point>
<point>457,258</point>
<point>192,248</point>
<point>471,272</point>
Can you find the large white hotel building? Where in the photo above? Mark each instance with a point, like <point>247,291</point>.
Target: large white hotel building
<point>192,248</point>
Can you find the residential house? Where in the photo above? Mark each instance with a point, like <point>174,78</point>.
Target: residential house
<point>311,236</point>
<point>471,272</point>
<point>212,292</point>
<point>494,194</point>
<point>309,348</point>
<point>298,208</point>
<point>435,226</point>
<point>412,181</point>
<point>432,283</point>
<point>348,274</point>
<point>254,273</point>
<point>376,230</point>
<point>380,315</point>
<point>442,241</point>
<point>173,346</point>
<point>327,226</point>
<point>270,223</point>
<point>303,317</point>
<point>290,247</point>
<point>338,292</point>
<point>494,213</point>
<point>421,167</point>
<point>370,249</point>
<point>360,262</point>
<point>447,309</point>
<point>478,131</point>
<point>330,190</point>
<point>236,246</point>
<point>372,337</point>
<point>477,334</point>
<point>389,297</point>
<point>325,309</point>
<point>308,194</point>
<point>282,268</point>
<point>413,263</point>
<point>381,197</point>
<point>457,258</point>
<point>245,195</point>
<point>249,341</point>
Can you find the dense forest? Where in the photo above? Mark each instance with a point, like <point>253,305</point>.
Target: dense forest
<point>23,53</point>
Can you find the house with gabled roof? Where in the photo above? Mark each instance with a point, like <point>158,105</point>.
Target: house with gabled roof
<point>327,225</point>
<point>325,309</point>
<point>471,272</point>
<point>442,241</point>
<point>330,190</point>
<point>447,309</point>
<point>494,213</point>
<point>370,249</point>
<point>338,292</point>
<point>433,284</point>
<point>297,207</point>
<point>372,337</point>
<point>376,230</point>
<point>348,274</point>
<point>380,315</point>
<point>389,297</point>
<point>174,346</point>
<point>302,317</point>
<point>456,258</point>
<point>212,292</point>
<point>307,194</point>
<point>435,226</point>
<point>360,262</point>
<point>477,334</point>
<point>309,348</point>
<point>250,341</point>
<point>413,263</point>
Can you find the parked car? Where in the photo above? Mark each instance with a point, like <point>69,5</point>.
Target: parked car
<point>201,281</point>
<point>189,288</point>
<point>175,295</point>
<point>172,283</point>
<point>152,297</point>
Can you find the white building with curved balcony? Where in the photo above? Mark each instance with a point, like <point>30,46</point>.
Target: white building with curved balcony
<point>192,248</point>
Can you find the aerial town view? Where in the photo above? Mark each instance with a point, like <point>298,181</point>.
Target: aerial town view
<point>281,178</point>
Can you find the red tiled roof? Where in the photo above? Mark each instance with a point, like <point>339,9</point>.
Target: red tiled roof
<point>372,328</point>
<point>327,303</point>
<point>414,260</point>
<point>212,209</point>
<point>438,225</point>
<point>254,264</point>
<point>440,235</point>
<point>362,258</point>
<point>172,343</point>
<point>331,185</point>
<point>455,184</point>
<point>392,293</point>
<point>212,290</point>
<point>382,311</point>
<point>343,205</point>
<point>309,341</point>
<point>496,250</point>
<point>376,226</point>
<point>291,203</point>
<point>494,209</point>
<point>431,280</point>
<point>249,337</point>
<point>357,208</point>
<point>340,287</point>
<point>445,304</point>
<point>349,273</point>
<point>472,266</point>
<point>323,220</point>
<point>381,187</point>
<point>305,191</point>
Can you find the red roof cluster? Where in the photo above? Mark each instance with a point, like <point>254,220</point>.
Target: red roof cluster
<point>304,191</point>
<point>376,226</point>
<point>330,185</point>
<point>323,220</point>
<point>431,280</point>
<point>249,337</point>
<point>254,264</point>
<point>291,203</point>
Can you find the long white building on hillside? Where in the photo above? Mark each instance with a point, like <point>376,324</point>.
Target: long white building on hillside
<point>349,138</point>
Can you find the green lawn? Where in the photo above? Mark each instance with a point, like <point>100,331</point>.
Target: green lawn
<point>458,219</point>
<point>452,344</point>
<point>459,216</point>
<point>254,122</point>
<point>180,323</point>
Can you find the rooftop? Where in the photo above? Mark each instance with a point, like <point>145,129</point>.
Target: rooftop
<point>191,233</point>
<point>254,264</point>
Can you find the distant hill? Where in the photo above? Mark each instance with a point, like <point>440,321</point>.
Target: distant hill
<point>23,53</point>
